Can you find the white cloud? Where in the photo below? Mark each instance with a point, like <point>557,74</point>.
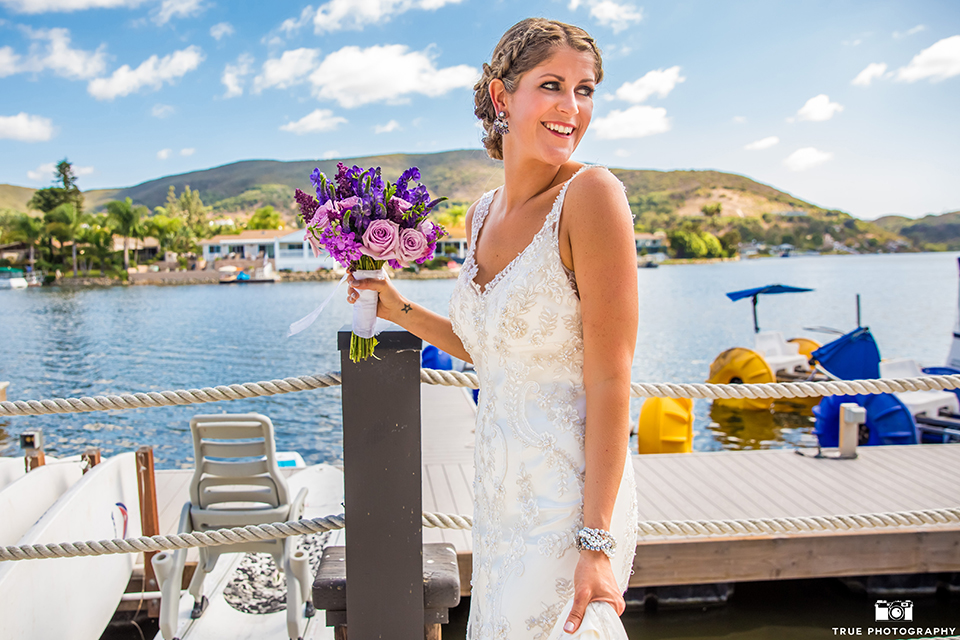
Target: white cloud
<point>622,153</point>
<point>25,128</point>
<point>45,6</point>
<point>355,14</point>
<point>170,9</point>
<point>636,122</point>
<point>612,14</point>
<point>221,30</point>
<point>163,154</point>
<point>873,71</point>
<point>189,151</point>
<point>162,111</point>
<point>806,158</point>
<point>393,125</point>
<point>330,155</point>
<point>291,26</point>
<point>353,76</point>
<point>763,143</point>
<point>152,73</point>
<point>818,109</point>
<point>9,62</point>
<point>939,61</point>
<point>57,55</point>
<point>234,74</point>
<point>852,43</point>
<point>289,69</point>
<point>739,119</point>
<point>62,59</point>
<point>917,29</point>
<point>660,82</point>
<point>317,121</point>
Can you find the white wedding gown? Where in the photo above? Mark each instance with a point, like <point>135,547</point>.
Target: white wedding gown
<point>524,333</point>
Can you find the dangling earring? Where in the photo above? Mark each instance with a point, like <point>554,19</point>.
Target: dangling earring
<point>500,125</point>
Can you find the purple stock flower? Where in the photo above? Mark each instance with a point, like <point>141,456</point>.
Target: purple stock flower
<point>308,205</point>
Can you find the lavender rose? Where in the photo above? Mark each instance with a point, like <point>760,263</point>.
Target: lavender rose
<point>396,208</point>
<point>380,240</point>
<point>413,245</point>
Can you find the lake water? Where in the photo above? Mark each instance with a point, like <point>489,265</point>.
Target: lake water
<point>58,343</point>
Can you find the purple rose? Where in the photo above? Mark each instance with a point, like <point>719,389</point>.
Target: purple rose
<point>380,240</point>
<point>349,203</point>
<point>325,212</point>
<point>413,245</point>
<point>396,208</point>
<point>427,227</point>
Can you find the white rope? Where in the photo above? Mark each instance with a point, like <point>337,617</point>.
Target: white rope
<point>648,528</point>
<point>469,380</point>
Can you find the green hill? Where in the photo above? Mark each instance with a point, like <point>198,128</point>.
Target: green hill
<point>13,197</point>
<point>660,200</point>
<point>931,233</point>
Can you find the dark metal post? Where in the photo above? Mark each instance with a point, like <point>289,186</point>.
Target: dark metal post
<point>382,487</point>
<point>756,327</point>
<point>858,311</point>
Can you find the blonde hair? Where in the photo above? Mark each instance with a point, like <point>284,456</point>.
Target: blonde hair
<point>524,46</point>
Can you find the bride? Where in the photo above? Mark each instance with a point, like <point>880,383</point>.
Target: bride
<point>545,308</point>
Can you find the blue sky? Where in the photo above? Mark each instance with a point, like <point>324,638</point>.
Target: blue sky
<point>850,105</point>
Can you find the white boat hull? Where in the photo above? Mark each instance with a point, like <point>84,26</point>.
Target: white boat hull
<point>24,501</point>
<point>76,597</point>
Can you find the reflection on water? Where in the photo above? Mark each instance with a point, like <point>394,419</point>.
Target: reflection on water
<point>785,423</point>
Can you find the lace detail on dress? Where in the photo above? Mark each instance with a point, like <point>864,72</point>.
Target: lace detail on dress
<point>524,333</point>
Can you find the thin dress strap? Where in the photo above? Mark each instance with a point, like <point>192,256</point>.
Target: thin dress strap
<point>479,215</point>
<point>554,215</point>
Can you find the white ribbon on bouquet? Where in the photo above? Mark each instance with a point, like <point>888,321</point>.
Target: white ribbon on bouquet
<point>364,309</point>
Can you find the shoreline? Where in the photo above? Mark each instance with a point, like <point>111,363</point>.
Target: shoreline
<point>173,278</point>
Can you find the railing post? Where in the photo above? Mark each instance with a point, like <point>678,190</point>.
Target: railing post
<point>852,416</point>
<point>382,487</point>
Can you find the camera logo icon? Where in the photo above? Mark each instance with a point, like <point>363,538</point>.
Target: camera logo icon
<point>896,610</point>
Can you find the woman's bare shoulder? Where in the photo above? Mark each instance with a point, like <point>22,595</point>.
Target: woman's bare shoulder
<point>594,196</point>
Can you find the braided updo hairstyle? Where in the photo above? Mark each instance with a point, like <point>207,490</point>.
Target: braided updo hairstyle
<point>524,46</point>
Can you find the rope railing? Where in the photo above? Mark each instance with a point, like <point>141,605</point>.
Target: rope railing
<point>469,380</point>
<point>646,529</point>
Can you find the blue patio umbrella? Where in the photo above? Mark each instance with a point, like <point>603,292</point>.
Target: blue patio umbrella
<point>756,293</point>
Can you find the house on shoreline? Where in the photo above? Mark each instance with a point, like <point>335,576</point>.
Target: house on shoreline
<point>287,249</point>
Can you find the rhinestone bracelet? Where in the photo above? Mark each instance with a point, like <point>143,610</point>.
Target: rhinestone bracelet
<point>596,540</point>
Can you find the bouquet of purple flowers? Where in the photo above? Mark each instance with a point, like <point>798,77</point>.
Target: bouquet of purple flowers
<point>363,222</point>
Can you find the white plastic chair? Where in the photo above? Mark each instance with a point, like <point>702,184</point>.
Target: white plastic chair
<point>918,402</point>
<point>779,354</point>
<point>236,483</point>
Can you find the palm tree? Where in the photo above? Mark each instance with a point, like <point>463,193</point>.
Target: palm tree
<point>99,237</point>
<point>63,223</point>
<point>126,219</point>
<point>29,230</point>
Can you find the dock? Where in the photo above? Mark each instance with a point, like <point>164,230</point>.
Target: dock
<point>711,486</point>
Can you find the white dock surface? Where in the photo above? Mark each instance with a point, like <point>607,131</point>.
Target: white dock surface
<point>716,485</point>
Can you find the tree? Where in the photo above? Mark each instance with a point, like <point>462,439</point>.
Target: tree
<point>711,209</point>
<point>712,246</point>
<point>163,228</point>
<point>686,244</point>
<point>189,208</point>
<point>98,237</point>
<point>26,228</point>
<point>730,241</point>
<point>63,224</point>
<point>265,218</point>
<point>126,220</point>
<point>65,176</point>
